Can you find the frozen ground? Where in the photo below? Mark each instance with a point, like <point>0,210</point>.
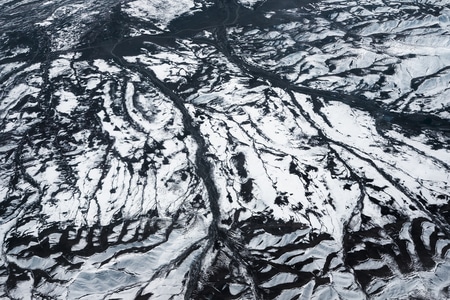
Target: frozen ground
<point>226,150</point>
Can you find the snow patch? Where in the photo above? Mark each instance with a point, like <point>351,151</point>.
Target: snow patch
<point>157,10</point>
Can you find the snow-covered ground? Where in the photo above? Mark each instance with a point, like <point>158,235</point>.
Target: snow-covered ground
<point>276,150</point>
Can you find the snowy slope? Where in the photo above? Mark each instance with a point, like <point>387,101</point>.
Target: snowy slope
<point>225,150</point>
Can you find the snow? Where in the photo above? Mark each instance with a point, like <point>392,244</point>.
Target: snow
<point>125,178</point>
<point>106,67</point>
<point>250,3</point>
<point>158,10</point>
<point>67,102</point>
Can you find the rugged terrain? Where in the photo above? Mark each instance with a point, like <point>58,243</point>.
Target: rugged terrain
<point>224,149</point>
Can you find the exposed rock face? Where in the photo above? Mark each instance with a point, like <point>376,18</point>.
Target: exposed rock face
<point>224,150</point>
